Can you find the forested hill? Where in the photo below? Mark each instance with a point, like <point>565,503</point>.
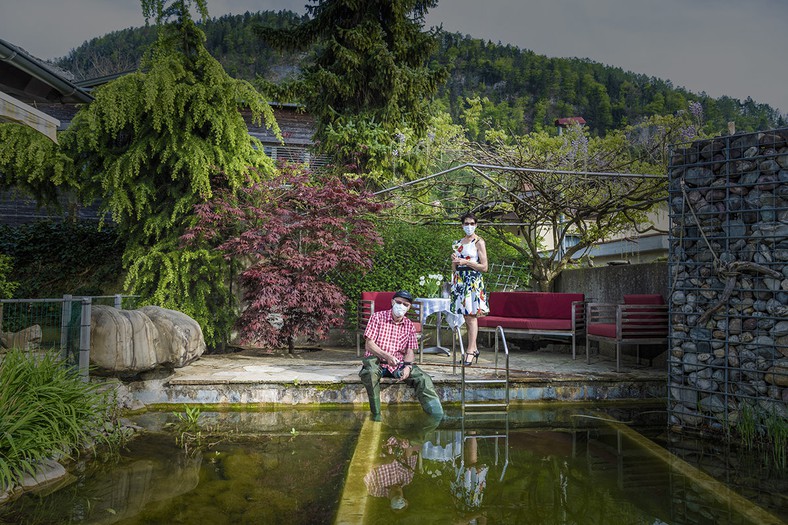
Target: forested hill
<point>526,91</point>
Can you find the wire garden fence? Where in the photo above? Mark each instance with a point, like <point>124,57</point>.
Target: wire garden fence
<point>54,325</point>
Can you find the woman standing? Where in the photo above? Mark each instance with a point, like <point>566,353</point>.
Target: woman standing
<point>468,297</point>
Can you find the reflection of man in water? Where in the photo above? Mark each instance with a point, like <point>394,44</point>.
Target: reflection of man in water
<point>387,480</point>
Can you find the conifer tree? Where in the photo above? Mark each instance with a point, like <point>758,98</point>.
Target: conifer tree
<point>151,146</point>
<point>368,76</point>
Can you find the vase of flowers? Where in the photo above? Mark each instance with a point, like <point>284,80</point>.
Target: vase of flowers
<point>431,284</point>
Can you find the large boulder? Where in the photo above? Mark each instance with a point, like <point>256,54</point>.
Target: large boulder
<point>123,341</point>
<point>26,339</point>
<point>180,337</point>
<point>134,341</point>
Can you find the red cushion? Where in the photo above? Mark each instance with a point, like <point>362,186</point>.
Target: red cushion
<point>602,329</point>
<point>534,305</point>
<point>381,300</point>
<point>643,330</point>
<point>525,323</point>
<point>644,299</point>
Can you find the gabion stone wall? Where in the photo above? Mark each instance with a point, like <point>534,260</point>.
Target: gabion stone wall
<point>728,271</point>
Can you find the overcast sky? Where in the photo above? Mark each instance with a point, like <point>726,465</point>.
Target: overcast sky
<point>723,47</point>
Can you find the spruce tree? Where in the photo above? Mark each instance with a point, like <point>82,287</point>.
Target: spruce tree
<point>367,77</point>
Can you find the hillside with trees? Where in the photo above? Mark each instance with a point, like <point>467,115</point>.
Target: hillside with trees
<point>525,91</point>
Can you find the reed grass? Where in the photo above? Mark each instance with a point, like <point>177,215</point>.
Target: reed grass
<point>777,430</point>
<point>46,410</point>
<point>747,425</point>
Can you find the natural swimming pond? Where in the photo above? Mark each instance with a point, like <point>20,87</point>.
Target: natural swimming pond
<point>567,464</point>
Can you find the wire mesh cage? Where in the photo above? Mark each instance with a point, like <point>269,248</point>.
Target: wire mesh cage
<point>729,280</point>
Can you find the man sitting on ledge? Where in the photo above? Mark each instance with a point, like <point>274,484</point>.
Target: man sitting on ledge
<point>390,344</point>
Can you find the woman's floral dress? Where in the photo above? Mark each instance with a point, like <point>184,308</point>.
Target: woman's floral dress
<point>468,296</point>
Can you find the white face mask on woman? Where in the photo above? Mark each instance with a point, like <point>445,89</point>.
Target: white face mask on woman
<point>399,309</point>
<point>469,228</point>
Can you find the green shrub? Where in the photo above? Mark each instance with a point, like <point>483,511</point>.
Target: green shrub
<point>6,287</point>
<point>409,252</point>
<point>55,258</point>
<point>45,410</point>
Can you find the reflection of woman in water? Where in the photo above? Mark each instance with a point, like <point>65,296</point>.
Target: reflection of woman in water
<point>387,480</point>
<point>471,479</point>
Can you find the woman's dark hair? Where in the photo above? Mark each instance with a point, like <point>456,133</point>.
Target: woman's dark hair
<point>468,215</point>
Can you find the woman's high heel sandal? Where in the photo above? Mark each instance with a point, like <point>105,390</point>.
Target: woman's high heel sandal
<point>469,358</point>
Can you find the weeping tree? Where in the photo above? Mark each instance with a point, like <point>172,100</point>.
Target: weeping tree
<point>31,163</point>
<point>367,80</point>
<point>151,147</point>
<point>589,189</point>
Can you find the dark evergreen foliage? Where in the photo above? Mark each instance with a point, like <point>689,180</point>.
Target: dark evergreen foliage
<point>54,258</point>
<point>527,91</point>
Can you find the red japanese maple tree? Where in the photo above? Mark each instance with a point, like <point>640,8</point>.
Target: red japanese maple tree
<point>288,234</point>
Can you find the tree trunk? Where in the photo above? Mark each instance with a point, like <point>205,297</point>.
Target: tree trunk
<point>543,278</point>
<point>543,284</point>
<point>291,345</point>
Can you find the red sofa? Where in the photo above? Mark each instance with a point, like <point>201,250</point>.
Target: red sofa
<point>642,319</point>
<point>536,314</point>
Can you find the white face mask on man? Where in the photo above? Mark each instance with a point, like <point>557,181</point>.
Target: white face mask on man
<point>398,309</point>
<point>469,228</point>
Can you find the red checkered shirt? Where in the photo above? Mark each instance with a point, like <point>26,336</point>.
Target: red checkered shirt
<point>393,338</point>
<point>382,478</point>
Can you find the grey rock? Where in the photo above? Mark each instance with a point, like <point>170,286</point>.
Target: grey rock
<point>699,176</point>
<point>26,339</point>
<point>46,472</point>
<point>769,166</point>
<point>713,403</point>
<point>690,363</point>
<point>180,337</point>
<point>136,341</point>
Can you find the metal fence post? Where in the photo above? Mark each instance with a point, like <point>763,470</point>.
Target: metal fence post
<point>84,339</point>
<point>118,301</point>
<point>65,325</point>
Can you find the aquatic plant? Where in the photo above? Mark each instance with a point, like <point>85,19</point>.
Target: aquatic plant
<point>777,434</point>
<point>747,425</point>
<point>189,417</point>
<point>190,434</point>
<point>47,410</point>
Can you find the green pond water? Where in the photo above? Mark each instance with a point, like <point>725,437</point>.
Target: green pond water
<point>547,465</point>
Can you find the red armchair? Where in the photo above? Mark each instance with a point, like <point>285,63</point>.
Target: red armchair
<point>642,319</point>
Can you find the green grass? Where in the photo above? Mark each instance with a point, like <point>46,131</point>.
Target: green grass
<point>777,430</point>
<point>747,426</point>
<point>45,410</point>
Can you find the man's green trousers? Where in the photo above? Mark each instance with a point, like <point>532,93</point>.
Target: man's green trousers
<point>370,375</point>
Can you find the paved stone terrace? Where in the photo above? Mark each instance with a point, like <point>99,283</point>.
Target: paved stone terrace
<point>330,375</point>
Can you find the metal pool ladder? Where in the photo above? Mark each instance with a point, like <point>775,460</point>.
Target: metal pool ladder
<point>495,405</point>
<point>490,433</point>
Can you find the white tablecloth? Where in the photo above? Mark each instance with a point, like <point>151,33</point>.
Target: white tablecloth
<point>433,305</point>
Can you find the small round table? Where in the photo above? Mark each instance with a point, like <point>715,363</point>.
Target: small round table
<point>439,306</point>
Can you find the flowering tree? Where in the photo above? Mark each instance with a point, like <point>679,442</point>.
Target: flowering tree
<point>567,193</point>
<point>289,233</point>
